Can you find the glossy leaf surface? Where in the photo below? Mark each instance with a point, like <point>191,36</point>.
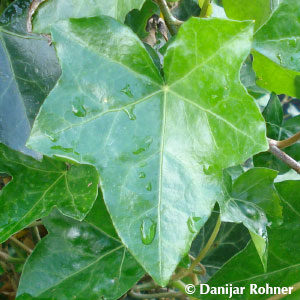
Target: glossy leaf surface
<point>29,70</point>
<point>159,146</point>
<point>38,186</point>
<point>79,260</point>
<point>258,10</point>
<point>55,10</point>
<point>278,129</point>
<point>253,200</point>
<point>277,45</point>
<point>284,259</point>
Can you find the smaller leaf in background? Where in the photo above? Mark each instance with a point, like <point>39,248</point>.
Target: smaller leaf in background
<point>284,255</point>
<point>277,48</point>
<point>278,129</point>
<point>82,260</point>
<point>137,19</point>
<point>231,239</point>
<point>186,9</point>
<point>253,201</point>
<point>248,79</point>
<point>52,11</point>
<point>258,10</point>
<point>38,186</point>
<point>29,70</point>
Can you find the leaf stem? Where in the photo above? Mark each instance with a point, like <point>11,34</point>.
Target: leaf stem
<point>20,244</point>
<point>202,253</point>
<point>171,22</point>
<point>296,287</point>
<point>4,256</point>
<point>288,142</point>
<point>171,294</point>
<point>35,223</point>
<point>145,286</point>
<point>283,156</point>
<point>204,8</point>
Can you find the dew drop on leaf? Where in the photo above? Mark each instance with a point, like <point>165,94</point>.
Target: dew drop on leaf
<point>191,223</point>
<point>149,186</point>
<point>148,231</point>
<point>78,109</point>
<point>142,175</point>
<point>127,91</point>
<point>279,57</point>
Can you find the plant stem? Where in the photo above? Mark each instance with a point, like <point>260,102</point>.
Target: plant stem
<point>171,22</point>
<point>156,295</point>
<point>204,9</point>
<point>145,286</point>
<point>208,245</point>
<point>296,287</point>
<point>288,142</point>
<point>35,223</point>
<point>20,244</point>
<point>10,259</point>
<point>283,156</point>
<point>37,233</point>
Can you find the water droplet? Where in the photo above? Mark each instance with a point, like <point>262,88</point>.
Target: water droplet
<point>142,175</point>
<point>292,43</point>
<point>148,231</point>
<point>129,113</point>
<point>127,91</point>
<point>138,151</point>
<point>191,223</point>
<point>279,57</point>
<point>79,110</point>
<point>149,186</point>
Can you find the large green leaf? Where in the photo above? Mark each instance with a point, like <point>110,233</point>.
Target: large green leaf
<point>52,11</point>
<point>159,146</point>
<point>253,200</point>
<point>278,129</point>
<point>29,70</point>
<point>284,259</point>
<point>38,186</point>
<point>79,260</point>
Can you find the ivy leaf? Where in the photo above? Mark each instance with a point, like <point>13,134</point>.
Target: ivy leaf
<point>283,262</point>
<point>86,253</point>
<point>29,70</point>
<point>278,129</point>
<point>38,186</point>
<point>53,11</point>
<point>231,239</point>
<point>253,200</point>
<point>258,10</point>
<point>186,9</point>
<point>276,43</point>
<point>159,146</point>
<point>137,19</point>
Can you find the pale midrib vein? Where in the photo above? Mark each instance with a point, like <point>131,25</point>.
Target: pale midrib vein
<point>210,57</point>
<point>28,167</point>
<point>110,110</point>
<point>83,269</point>
<point>213,114</point>
<point>251,186</point>
<point>162,141</point>
<point>102,231</point>
<point>19,35</point>
<point>36,203</point>
<point>69,191</point>
<point>266,274</point>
